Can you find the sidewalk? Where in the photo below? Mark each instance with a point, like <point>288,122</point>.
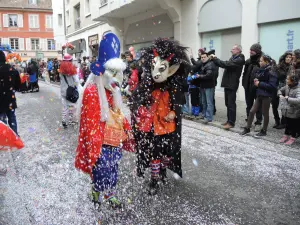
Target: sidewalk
<point>273,135</point>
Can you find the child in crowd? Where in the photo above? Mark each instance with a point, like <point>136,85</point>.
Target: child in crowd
<point>290,105</point>
<point>195,95</point>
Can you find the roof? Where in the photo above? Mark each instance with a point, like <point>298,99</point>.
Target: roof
<point>24,4</point>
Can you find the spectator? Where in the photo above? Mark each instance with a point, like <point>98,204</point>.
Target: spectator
<point>194,90</point>
<point>296,62</point>
<point>251,66</point>
<point>207,85</point>
<point>9,83</point>
<point>55,70</point>
<point>265,84</point>
<point>85,72</point>
<point>282,71</point>
<point>94,59</point>
<point>200,51</point>
<point>230,81</point>
<point>290,98</point>
<point>216,75</point>
<point>50,70</point>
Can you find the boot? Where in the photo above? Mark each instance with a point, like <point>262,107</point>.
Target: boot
<point>153,187</point>
<point>65,125</point>
<point>277,123</point>
<point>96,199</point>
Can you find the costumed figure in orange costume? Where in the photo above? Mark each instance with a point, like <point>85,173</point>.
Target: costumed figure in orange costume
<point>104,130</point>
<point>157,104</point>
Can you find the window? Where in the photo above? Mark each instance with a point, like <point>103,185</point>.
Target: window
<point>49,21</point>
<point>14,43</point>
<point>13,20</point>
<point>60,20</point>
<point>51,44</point>
<point>34,21</point>
<point>68,17</point>
<point>35,44</point>
<point>103,2</point>
<point>87,7</point>
<point>32,2</point>
<point>77,16</point>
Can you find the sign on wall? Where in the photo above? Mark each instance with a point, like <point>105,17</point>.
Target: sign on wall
<point>278,38</point>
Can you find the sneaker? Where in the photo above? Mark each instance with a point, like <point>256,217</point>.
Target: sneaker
<point>223,124</point>
<point>65,125</point>
<point>284,139</point>
<point>206,121</point>
<point>228,126</point>
<point>262,133</point>
<point>245,131</point>
<point>3,172</point>
<point>281,126</point>
<point>291,141</point>
<point>257,128</point>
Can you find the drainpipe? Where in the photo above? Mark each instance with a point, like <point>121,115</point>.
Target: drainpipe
<point>65,27</point>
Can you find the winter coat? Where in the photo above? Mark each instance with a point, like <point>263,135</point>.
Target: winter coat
<point>72,81</point>
<point>233,71</point>
<point>251,66</point>
<point>290,107</point>
<point>267,82</point>
<point>207,76</point>
<point>9,83</point>
<point>50,65</point>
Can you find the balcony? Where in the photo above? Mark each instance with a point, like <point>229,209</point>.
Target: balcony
<point>120,9</point>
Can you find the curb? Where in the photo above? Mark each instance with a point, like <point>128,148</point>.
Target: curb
<point>234,130</point>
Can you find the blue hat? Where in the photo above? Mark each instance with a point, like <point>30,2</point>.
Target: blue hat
<point>109,48</point>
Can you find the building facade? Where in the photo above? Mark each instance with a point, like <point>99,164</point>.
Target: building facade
<point>59,25</point>
<point>27,26</point>
<point>81,30</point>
<point>214,24</point>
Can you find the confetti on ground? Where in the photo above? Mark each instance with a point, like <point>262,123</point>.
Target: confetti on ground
<point>31,130</point>
<point>195,162</point>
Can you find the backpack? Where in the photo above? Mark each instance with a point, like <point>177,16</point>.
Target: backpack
<point>72,94</point>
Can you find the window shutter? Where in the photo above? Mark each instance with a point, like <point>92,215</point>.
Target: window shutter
<point>0,20</point>
<point>58,46</point>
<point>43,44</point>
<point>20,20</point>
<point>21,44</point>
<point>28,44</point>
<point>5,20</point>
<point>5,41</point>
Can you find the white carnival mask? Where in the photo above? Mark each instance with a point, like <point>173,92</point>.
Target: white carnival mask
<point>113,75</point>
<point>161,69</point>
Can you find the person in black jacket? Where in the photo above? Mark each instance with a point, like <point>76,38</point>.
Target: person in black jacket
<point>282,72</point>
<point>206,80</point>
<point>265,83</point>
<point>230,81</point>
<point>9,83</point>
<point>251,66</point>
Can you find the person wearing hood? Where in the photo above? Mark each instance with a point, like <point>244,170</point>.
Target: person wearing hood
<point>68,78</point>
<point>9,83</point>
<point>282,71</point>
<point>290,98</point>
<point>230,81</point>
<point>265,83</point>
<point>251,66</point>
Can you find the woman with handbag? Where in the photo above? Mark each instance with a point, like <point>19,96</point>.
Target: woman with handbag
<point>69,87</point>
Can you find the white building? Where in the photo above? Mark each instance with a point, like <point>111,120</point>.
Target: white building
<point>59,24</point>
<point>214,24</point>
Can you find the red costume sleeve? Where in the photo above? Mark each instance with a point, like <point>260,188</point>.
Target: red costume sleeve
<point>91,131</point>
<point>133,80</point>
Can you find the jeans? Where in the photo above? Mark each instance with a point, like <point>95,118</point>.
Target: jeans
<point>230,102</point>
<point>261,102</point>
<point>12,120</point>
<point>250,97</point>
<point>208,103</point>
<point>186,107</point>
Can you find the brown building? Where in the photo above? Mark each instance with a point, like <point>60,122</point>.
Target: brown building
<point>27,26</point>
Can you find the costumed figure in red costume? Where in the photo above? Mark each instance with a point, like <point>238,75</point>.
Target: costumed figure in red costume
<point>104,130</point>
<point>157,104</point>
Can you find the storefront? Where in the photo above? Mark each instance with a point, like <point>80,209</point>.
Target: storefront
<point>223,33</point>
<point>142,33</point>
<point>279,31</point>
<point>94,44</point>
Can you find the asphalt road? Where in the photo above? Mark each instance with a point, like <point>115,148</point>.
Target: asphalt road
<point>228,179</point>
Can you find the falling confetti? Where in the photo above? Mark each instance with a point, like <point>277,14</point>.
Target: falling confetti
<point>195,162</point>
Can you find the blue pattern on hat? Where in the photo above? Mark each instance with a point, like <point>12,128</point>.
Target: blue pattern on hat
<point>109,48</point>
